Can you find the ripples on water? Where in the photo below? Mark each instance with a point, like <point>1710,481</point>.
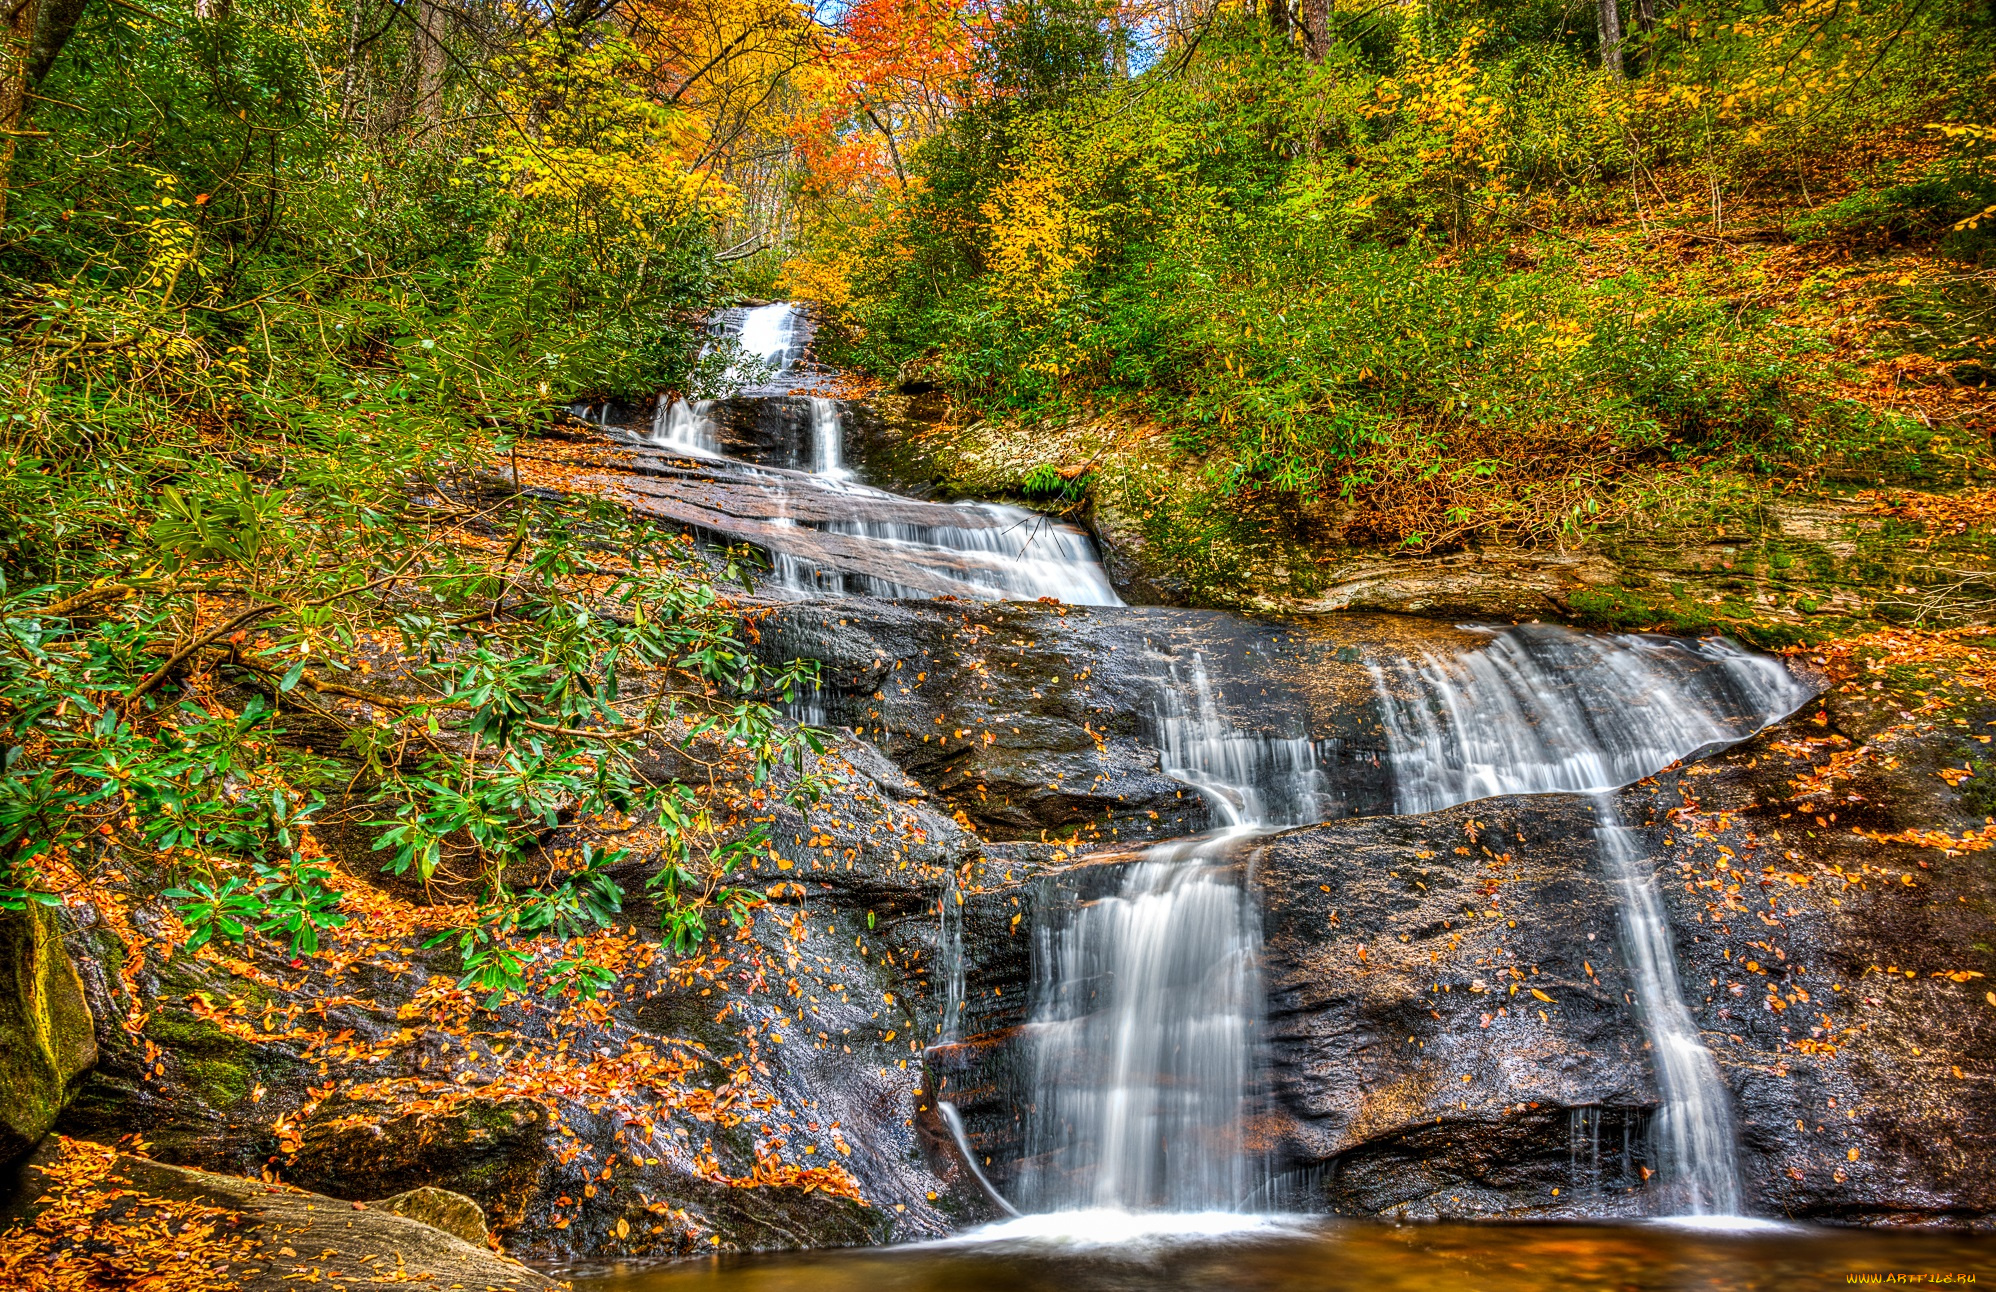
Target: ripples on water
<point>1097,1252</point>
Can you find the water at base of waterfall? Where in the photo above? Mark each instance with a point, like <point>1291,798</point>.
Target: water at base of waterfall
<point>1100,1228</point>
<point>1091,1251</point>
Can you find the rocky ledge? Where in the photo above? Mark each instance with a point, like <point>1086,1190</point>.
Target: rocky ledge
<point>1450,1025</point>
<point>90,1216</point>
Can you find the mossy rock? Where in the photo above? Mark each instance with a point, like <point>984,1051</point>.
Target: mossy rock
<point>453,1213</point>
<point>47,1039</point>
<point>492,1151</point>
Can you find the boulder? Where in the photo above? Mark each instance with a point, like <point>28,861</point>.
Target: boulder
<point>47,1040</point>
<point>453,1213</point>
<point>492,1151</point>
<point>109,1219</point>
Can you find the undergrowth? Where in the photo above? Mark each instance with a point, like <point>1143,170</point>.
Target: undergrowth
<point>1370,288</point>
<point>263,367</point>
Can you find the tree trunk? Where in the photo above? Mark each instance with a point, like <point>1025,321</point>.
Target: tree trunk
<point>1278,16</point>
<point>432,62</point>
<point>1610,16</point>
<point>1646,15</point>
<point>1316,29</point>
<point>55,22</point>
<point>409,85</point>
<point>35,32</point>
<point>893,149</point>
<point>14,89</point>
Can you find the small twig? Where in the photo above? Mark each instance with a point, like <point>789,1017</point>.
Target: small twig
<point>60,103</point>
<point>174,660</point>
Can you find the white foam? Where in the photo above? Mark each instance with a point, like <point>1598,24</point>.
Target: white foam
<point>1731,1225</point>
<point>1096,1229</point>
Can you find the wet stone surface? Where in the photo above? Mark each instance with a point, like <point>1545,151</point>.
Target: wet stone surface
<point>1838,980</point>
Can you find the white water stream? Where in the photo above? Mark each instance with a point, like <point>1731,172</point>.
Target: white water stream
<point>1147,1001</point>
<point>1543,709</point>
<point>1007,553</point>
<point>1693,1132</point>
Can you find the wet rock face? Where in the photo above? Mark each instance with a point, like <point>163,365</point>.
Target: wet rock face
<point>1843,1004</point>
<point>1441,990</point>
<point>659,1118</point>
<point>770,431</point>
<point>1403,954</point>
<point>1039,719</point>
<point>1846,985</point>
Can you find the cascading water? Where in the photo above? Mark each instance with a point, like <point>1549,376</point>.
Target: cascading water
<point>686,425</point>
<point>949,969</point>
<point>1544,709</point>
<point>827,440</point>
<point>1147,1002</point>
<point>1014,554</point>
<point>997,553</point>
<point>768,338</point>
<point>1694,1126</point>
<point>1250,779</point>
<point>1142,1042</point>
<point>765,335</point>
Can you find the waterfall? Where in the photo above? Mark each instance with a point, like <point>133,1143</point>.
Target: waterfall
<point>1016,555</point>
<point>999,553</point>
<point>1694,1127</point>
<point>765,335</point>
<point>1248,778</point>
<point>686,426</point>
<point>1544,709</point>
<point>827,440</point>
<point>949,973</point>
<point>1142,1042</point>
<point>1147,1002</point>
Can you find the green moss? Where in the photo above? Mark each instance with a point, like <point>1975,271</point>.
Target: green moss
<point>221,1083</point>
<point>47,1038</point>
<point>217,1066</point>
<point>1626,610</point>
